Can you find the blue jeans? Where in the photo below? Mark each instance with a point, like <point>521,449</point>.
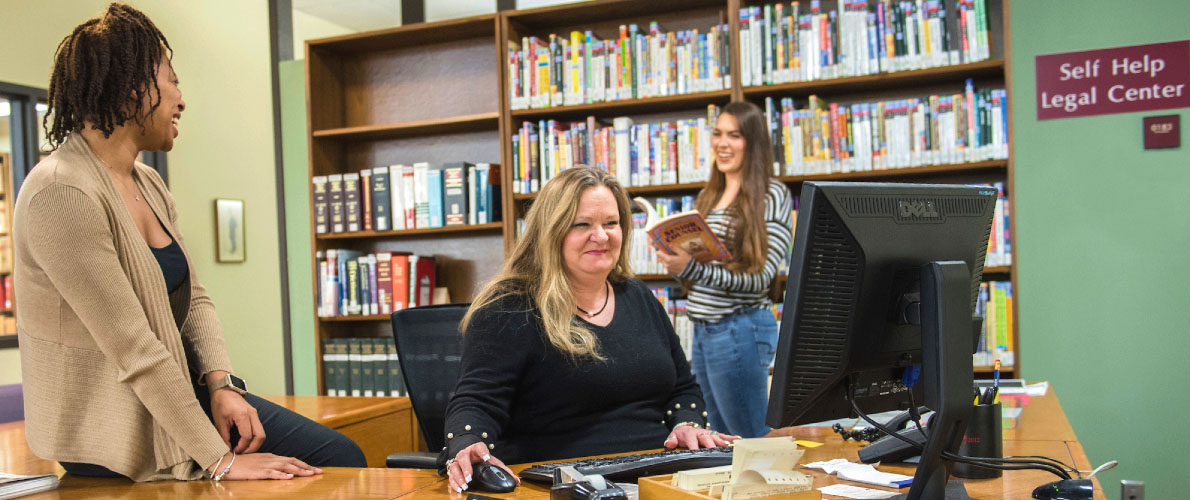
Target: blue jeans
<point>731,360</point>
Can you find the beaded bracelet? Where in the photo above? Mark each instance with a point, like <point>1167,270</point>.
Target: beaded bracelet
<point>211,475</point>
<point>229,464</point>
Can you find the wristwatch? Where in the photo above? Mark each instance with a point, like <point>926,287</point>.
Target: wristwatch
<point>231,382</point>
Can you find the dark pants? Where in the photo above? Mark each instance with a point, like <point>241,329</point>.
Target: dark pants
<point>286,433</point>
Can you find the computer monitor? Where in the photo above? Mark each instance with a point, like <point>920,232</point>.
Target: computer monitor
<point>883,277</point>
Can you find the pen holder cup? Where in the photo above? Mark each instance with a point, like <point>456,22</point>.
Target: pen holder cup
<point>984,438</point>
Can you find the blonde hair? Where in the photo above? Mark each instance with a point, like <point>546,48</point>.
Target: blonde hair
<point>536,268</point>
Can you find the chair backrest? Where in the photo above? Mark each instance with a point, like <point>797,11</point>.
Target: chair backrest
<point>429,347</point>
<point>12,403</point>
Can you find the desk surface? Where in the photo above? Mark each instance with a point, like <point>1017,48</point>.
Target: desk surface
<point>1042,430</point>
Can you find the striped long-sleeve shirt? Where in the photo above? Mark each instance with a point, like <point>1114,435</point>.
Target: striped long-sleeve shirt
<point>717,291</point>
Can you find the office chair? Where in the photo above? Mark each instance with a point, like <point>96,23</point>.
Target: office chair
<point>429,347</point>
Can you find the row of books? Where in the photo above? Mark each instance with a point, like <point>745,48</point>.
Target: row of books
<point>6,297</point>
<point>999,242</point>
<point>995,337</point>
<point>5,252</point>
<point>351,283</point>
<point>636,154</point>
<point>407,197</point>
<point>366,367</point>
<point>675,308</point>
<point>780,43</point>
<point>583,68</point>
<point>825,138</point>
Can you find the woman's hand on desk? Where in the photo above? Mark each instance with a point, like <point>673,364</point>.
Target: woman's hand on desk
<point>694,438</point>
<point>265,466</point>
<point>459,469</point>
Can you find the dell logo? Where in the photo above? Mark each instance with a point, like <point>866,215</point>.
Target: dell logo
<point>917,208</point>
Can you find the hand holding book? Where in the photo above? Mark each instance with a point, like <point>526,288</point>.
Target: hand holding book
<point>681,237</point>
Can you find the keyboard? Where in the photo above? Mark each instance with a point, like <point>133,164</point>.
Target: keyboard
<point>628,468</point>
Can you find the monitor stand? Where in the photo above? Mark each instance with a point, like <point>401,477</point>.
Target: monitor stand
<point>947,376</point>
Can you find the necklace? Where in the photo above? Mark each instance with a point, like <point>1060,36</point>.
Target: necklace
<point>608,294</point>
<point>137,196</point>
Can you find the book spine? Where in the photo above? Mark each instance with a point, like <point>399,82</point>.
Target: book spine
<point>455,196</point>
<point>321,200</point>
<point>365,189</point>
<point>351,201</point>
<point>355,367</point>
<point>434,196</point>
<point>337,219</point>
<point>384,282</point>
<point>367,380</point>
<point>396,384</point>
<point>382,209</point>
<point>328,367</point>
<point>380,367</point>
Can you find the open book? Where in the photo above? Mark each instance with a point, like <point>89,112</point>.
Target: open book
<point>686,230</point>
<point>12,485</point>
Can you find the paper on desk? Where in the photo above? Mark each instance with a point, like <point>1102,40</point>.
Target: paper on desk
<point>1038,389</point>
<point>849,491</point>
<point>862,473</point>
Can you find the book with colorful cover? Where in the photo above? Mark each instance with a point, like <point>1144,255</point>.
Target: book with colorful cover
<point>685,230</point>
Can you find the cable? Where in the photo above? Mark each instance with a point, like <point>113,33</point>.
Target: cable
<point>988,463</point>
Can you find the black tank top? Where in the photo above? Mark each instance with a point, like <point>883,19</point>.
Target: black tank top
<point>173,265</point>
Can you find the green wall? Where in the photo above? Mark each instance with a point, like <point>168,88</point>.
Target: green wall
<point>297,226</point>
<point>224,150</point>
<point>1102,229</point>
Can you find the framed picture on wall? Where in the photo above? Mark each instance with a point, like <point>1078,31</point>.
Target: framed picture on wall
<point>229,230</point>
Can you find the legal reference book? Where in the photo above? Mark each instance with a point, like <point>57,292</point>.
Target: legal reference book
<point>455,196</point>
<point>351,201</point>
<point>321,214</point>
<point>365,189</point>
<point>381,200</point>
<point>685,230</point>
<point>335,182</point>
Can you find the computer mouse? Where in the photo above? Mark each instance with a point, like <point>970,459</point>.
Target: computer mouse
<point>492,479</point>
<point>1066,489</point>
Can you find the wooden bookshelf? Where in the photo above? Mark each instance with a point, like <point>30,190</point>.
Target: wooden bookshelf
<point>440,92</point>
<point>419,93</point>
<point>7,199</point>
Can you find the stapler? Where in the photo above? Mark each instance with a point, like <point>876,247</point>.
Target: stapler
<point>570,484</point>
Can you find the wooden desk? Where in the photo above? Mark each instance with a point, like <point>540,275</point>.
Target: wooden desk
<point>380,426</point>
<point>1042,415</point>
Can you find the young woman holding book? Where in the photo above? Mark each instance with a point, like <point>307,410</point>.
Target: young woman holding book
<point>735,333</point>
<point>124,365</point>
<point>565,354</point>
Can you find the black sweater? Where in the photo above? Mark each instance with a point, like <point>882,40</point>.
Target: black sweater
<point>535,404</point>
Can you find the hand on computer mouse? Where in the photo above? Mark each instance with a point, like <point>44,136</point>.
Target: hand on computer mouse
<point>460,470</point>
<point>694,438</point>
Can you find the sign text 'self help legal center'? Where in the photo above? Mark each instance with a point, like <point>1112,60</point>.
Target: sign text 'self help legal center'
<point>1115,80</point>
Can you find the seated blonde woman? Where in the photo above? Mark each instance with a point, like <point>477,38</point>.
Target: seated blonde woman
<point>565,353</point>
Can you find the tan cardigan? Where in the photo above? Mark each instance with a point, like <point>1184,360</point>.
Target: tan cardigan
<point>103,345</point>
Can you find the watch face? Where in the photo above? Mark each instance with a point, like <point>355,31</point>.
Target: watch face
<point>237,382</point>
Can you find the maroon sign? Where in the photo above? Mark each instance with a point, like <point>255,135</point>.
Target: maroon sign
<point>1115,80</point>
<point>1162,132</point>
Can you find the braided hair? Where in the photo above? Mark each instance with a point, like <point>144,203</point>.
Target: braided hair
<point>98,67</point>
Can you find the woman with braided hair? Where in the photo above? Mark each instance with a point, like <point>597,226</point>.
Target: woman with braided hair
<point>124,365</point>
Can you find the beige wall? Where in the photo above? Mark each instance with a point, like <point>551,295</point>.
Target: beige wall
<point>225,150</point>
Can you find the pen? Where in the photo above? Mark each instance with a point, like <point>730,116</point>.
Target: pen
<point>996,374</point>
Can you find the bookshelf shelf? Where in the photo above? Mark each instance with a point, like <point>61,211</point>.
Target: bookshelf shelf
<point>411,35</point>
<point>608,10</point>
<point>997,270</point>
<point>453,125</point>
<point>467,228</point>
<point>348,319</point>
<point>950,168</point>
<point>990,165</point>
<point>626,106</point>
<point>993,68</point>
